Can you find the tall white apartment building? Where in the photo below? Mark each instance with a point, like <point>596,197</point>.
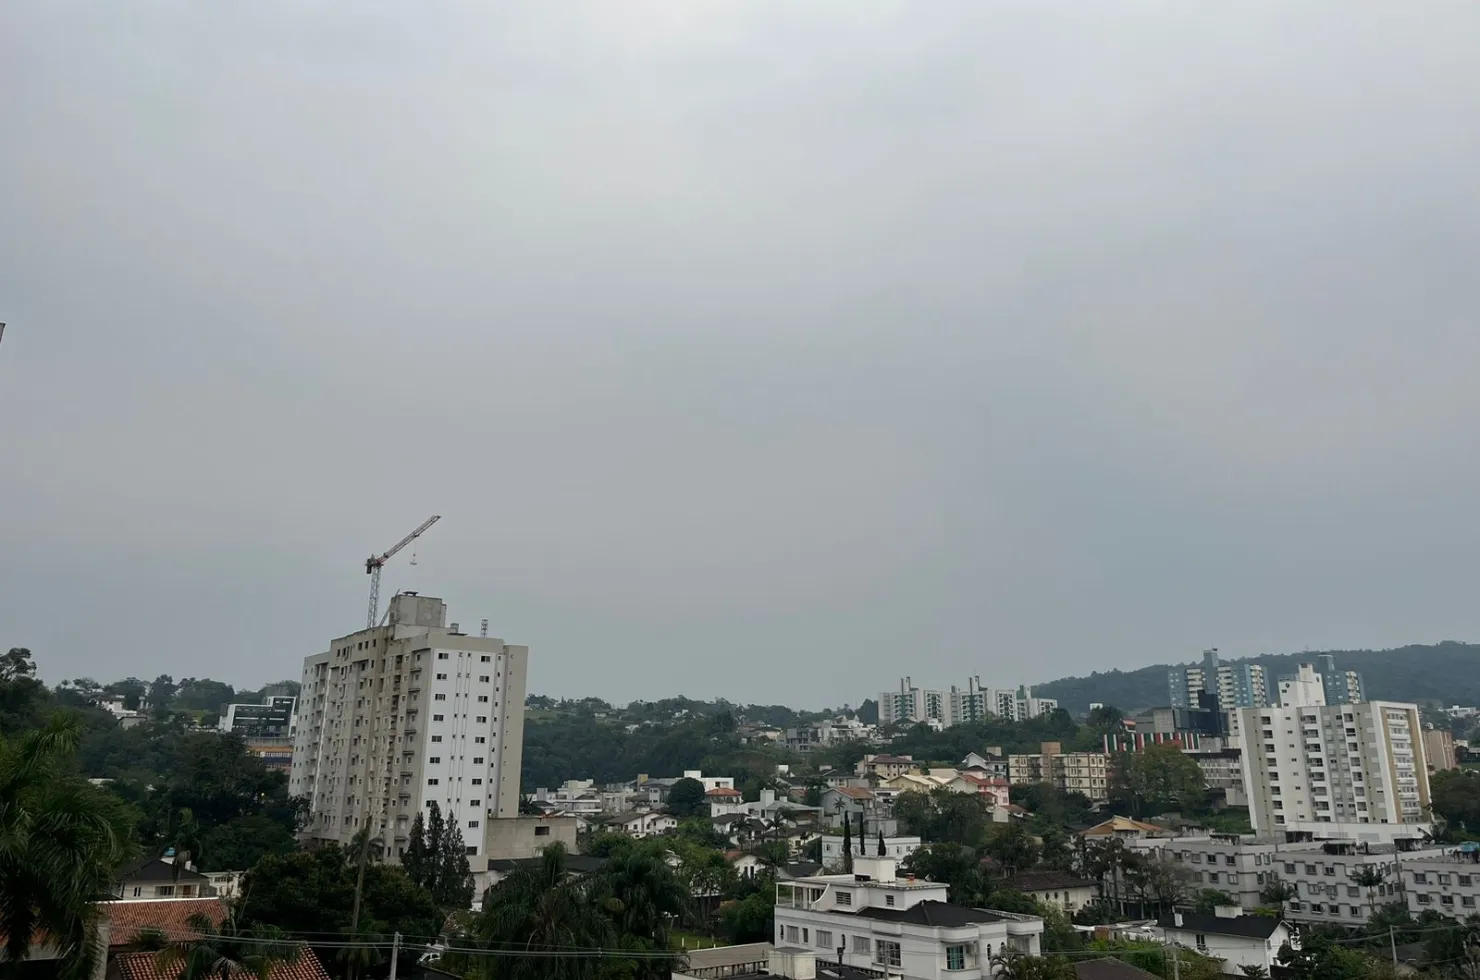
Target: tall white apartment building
<point>960,706</point>
<point>398,716</point>
<point>1334,771</point>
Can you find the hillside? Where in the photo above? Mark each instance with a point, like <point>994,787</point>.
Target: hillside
<point>1447,672</point>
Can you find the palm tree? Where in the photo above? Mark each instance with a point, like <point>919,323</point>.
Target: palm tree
<point>221,951</point>
<point>544,910</point>
<point>642,896</point>
<point>1010,964</point>
<point>60,841</point>
<point>1370,877</point>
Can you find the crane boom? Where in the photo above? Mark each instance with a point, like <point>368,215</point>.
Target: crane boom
<point>375,563</point>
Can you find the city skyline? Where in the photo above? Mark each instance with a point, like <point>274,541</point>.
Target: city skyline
<point>925,339</point>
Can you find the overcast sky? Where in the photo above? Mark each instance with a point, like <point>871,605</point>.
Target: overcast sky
<point>765,350</point>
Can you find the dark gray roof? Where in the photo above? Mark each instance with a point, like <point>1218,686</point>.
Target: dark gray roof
<point>158,869</point>
<point>1247,926</point>
<point>1109,968</point>
<point>575,863</point>
<point>940,914</point>
<point>1038,881</point>
<point>804,869</point>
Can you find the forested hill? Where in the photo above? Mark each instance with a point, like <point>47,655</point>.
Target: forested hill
<point>1447,672</point>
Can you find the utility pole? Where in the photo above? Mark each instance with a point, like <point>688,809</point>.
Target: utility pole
<point>1176,964</point>
<point>395,950</point>
<point>1393,943</point>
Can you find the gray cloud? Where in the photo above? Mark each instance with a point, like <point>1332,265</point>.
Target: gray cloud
<point>748,349</point>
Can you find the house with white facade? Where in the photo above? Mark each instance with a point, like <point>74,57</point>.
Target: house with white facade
<point>644,823</point>
<point>1228,935</point>
<point>904,926</point>
<point>1066,892</point>
<point>896,847</point>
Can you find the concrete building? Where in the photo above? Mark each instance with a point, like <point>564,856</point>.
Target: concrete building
<point>1348,770</point>
<point>903,926</point>
<point>1072,772</point>
<point>1326,877</point>
<point>398,716</point>
<point>1445,880</point>
<point>277,718</point>
<point>1342,686</point>
<point>1240,685</point>
<point>960,706</point>
<point>897,847</point>
<point>1065,892</point>
<point>1438,749</point>
<point>1240,866</point>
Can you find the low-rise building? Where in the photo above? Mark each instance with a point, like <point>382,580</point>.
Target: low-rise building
<point>643,823</point>
<point>1438,749</point>
<point>160,878</point>
<point>903,926</point>
<point>1337,882</point>
<point>1444,880</point>
<point>897,847</point>
<point>1242,866</point>
<point>1240,941</point>
<point>885,766</point>
<point>1066,892</point>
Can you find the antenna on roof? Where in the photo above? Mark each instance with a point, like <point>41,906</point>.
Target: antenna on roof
<point>483,629</point>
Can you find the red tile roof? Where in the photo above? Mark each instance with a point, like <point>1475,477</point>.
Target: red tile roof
<point>855,792</point>
<point>141,966</point>
<point>168,915</point>
<point>723,791</point>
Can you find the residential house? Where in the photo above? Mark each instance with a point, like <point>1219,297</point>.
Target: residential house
<point>763,961</point>
<point>897,847</point>
<point>746,865</point>
<point>1066,892</point>
<point>885,765</point>
<point>847,802</point>
<point>904,926</point>
<point>161,878</point>
<point>1109,968</point>
<point>1125,828</point>
<point>1238,940</point>
<point>144,965</point>
<point>643,823</point>
<point>723,800</point>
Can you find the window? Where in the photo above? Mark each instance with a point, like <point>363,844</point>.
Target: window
<point>1201,940</point>
<point>1468,901</point>
<point>441,677</point>
<point>1353,911</point>
<point>477,760</point>
<point>480,803</point>
<point>140,891</point>
<point>482,719</point>
<point>480,739</point>
<point>1443,878</point>
<point>793,934</point>
<point>442,656</point>
<point>860,944</point>
<point>472,849</point>
<point>886,953</point>
<point>1213,877</point>
<point>483,698</point>
<point>436,738</point>
<point>1446,900</point>
<point>955,957</point>
<point>542,831</point>
<point>1464,881</point>
<point>844,898</point>
<point>1289,868</point>
<point>472,824</point>
<point>439,697</point>
<point>164,891</point>
<point>1230,859</point>
<point>888,899</point>
<point>1352,891</point>
<point>477,782</point>
<point>1419,878</point>
<point>436,717</point>
<point>432,781</point>
<point>485,659</point>
<point>482,678</point>
<point>805,938</point>
<point>1424,899</point>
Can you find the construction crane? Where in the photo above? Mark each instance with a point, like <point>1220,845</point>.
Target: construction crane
<point>375,563</point>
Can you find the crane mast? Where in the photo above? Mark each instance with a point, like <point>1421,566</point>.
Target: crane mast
<point>375,563</point>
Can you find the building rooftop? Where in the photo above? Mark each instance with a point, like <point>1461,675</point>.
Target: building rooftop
<point>1109,968</point>
<point>170,916</point>
<point>145,966</point>
<point>574,863</point>
<point>1038,881</point>
<point>160,870</point>
<point>939,914</point>
<point>1247,926</point>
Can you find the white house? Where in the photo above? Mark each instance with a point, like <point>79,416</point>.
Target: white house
<point>1066,892</point>
<point>723,800</point>
<point>896,847</point>
<point>1238,940</point>
<point>644,823</point>
<point>874,919</point>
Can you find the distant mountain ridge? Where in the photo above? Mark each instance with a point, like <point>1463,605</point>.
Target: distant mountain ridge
<point>1447,672</point>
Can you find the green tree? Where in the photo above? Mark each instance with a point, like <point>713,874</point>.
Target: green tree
<point>1158,775</point>
<point>1276,893</point>
<point>847,843</point>
<point>1056,852</point>
<point>23,698</point>
<point>60,841</point>
<point>749,920</point>
<point>1321,957</point>
<point>1456,797</point>
<point>1370,877</point>
<point>453,887</point>
<point>1012,847</point>
<point>1012,965</point>
<point>541,910</point>
<point>417,860</point>
<point>641,894</point>
<point>217,952</point>
<point>953,865</point>
<point>1208,899</point>
<point>685,798</point>
<point>162,694</point>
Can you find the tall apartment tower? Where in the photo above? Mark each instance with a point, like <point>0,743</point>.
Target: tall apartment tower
<point>398,716</point>
<point>1240,685</point>
<point>1334,770</point>
<point>1342,686</point>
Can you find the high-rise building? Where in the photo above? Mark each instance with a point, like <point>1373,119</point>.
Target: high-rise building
<point>1342,770</point>
<point>1240,685</point>
<point>1342,686</point>
<point>395,717</point>
<point>959,706</point>
<point>905,706</point>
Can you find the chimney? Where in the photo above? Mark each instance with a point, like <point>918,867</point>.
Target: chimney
<point>768,796</point>
<point>792,962</point>
<point>1177,919</point>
